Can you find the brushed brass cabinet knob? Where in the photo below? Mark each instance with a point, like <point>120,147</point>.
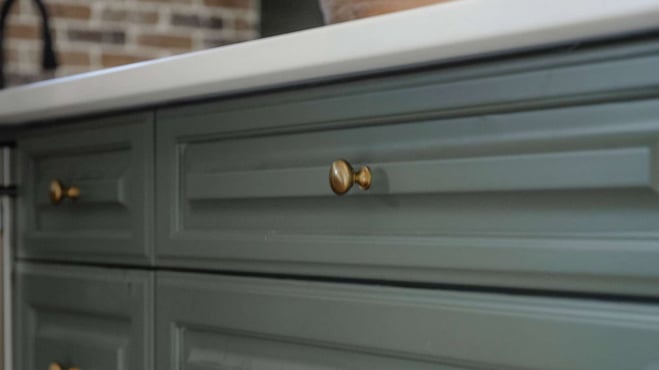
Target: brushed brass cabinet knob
<point>58,192</point>
<point>342,176</point>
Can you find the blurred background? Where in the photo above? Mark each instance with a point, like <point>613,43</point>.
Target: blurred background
<point>88,35</point>
<point>94,34</point>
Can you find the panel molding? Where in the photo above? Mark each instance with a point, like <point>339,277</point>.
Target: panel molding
<point>548,80</point>
<point>509,156</point>
<point>108,190</point>
<point>595,169</point>
<point>86,315</point>
<point>435,327</point>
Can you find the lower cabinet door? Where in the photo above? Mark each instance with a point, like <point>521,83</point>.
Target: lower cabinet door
<point>206,322</point>
<point>83,318</point>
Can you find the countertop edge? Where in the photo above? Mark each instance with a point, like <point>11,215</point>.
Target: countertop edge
<point>397,40</point>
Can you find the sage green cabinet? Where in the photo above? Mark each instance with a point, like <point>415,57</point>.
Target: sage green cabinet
<point>483,175</point>
<point>111,162</point>
<point>89,318</point>
<point>538,173</point>
<point>206,322</point>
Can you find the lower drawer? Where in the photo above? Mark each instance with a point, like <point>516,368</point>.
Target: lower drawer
<point>211,322</point>
<point>83,318</point>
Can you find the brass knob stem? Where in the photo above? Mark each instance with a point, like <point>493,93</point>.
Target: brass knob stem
<point>342,176</point>
<point>58,192</point>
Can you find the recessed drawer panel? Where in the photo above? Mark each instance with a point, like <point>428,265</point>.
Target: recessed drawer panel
<point>84,318</point>
<point>551,199</point>
<point>206,322</point>
<point>86,192</point>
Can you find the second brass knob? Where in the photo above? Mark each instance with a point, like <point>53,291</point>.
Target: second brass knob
<point>342,176</point>
<point>58,192</point>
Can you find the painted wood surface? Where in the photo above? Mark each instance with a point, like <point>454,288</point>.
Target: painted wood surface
<point>87,318</point>
<point>535,173</point>
<point>111,161</point>
<point>538,172</point>
<point>206,322</point>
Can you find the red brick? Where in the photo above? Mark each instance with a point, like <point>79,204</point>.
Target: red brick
<point>168,1</point>
<point>117,59</point>
<point>345,10</point>
<point>22,31</point>
<point>11,54</point>
<point>243,25</point>
<point>241,4</point>
<point>189,20</point>
<point>196,21</point>
<point>165,41</point>
<point>145,17</point>
<point>133,16</point>
<point>69,11</point>
<point>116,15</point>
<point>74,58</point>
<point>96,36</point>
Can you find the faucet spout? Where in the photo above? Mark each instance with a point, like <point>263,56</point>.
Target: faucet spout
<point>49,58</point>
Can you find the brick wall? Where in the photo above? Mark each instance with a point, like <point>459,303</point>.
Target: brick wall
<point>94,34</point>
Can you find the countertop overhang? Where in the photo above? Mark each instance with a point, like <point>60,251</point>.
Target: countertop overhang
<point>432,34</point>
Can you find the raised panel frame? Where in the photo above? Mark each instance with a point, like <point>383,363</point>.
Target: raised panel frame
<point>130,195</point>
<point>83,316</point>
<point>556,125</point>
<point>207,322</point>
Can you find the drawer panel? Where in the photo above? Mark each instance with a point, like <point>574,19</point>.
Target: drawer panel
<point>550,199</point>
<point>209,322</point>
<point>87,318</point>
<point>110,162</point>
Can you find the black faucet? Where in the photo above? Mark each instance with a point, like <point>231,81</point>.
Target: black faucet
<point>49,59</point>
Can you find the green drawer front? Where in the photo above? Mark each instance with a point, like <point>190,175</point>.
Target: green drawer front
<point>540,172</point>
<point>560,198</point>
<point>86,318</point>
<point>206,322</point>
<point>111,162</point>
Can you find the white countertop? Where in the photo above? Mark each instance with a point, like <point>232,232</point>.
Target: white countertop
<point>459,29</point>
